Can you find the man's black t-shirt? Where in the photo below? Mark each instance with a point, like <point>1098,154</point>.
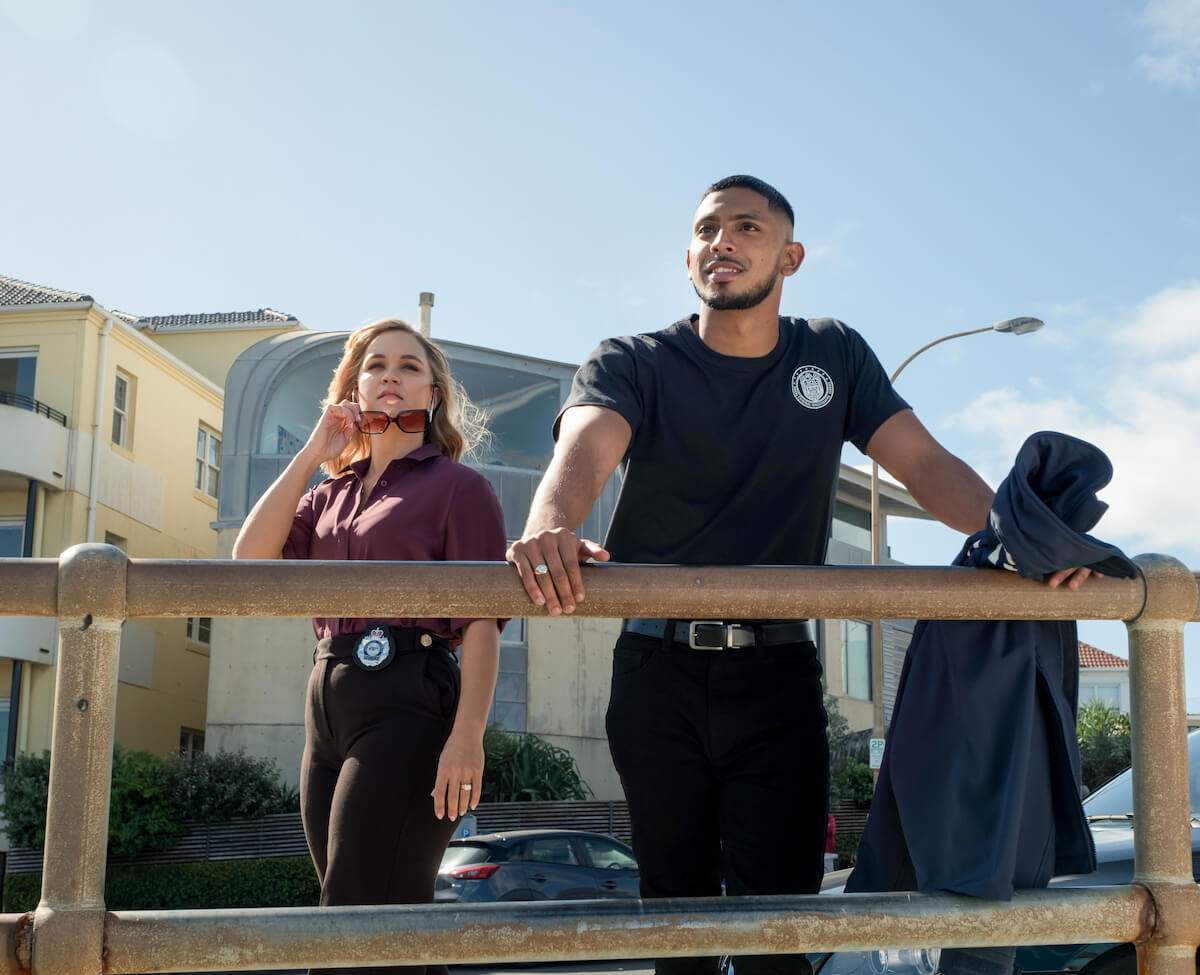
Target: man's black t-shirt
<point>733,461</point>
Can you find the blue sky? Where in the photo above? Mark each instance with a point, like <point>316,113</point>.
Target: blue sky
<point>536,166</point>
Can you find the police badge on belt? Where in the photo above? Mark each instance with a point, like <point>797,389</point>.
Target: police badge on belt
<point>375,649</point>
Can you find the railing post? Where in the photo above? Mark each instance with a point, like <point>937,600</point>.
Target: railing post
<point>1158,712</point>
<point>67,936</point>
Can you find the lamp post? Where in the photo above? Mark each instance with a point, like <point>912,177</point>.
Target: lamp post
<point>1016,326</point>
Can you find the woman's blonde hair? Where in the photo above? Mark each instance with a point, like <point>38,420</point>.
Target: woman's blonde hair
<point>458,424</point>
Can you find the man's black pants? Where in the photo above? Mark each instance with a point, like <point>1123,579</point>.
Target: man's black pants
<point>725,762</point>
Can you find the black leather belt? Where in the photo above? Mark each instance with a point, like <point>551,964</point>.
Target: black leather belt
<point>719,635</point>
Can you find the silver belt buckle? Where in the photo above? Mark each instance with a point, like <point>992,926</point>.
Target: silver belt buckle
<point>692,634</point>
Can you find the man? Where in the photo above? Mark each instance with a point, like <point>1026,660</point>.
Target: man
<point>729,427</point>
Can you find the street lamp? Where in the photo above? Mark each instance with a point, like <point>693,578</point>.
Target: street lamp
<point>1016,326</point>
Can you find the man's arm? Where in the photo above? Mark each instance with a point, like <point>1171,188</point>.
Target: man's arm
<point>591,442</point>
<point>939,482</point>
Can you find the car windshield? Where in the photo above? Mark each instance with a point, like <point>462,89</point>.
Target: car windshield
<point>460,854</point>
<point>1115,799</point>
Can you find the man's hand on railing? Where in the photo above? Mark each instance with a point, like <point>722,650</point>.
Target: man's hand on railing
<point>548,564</point>
<point>1074,578</point>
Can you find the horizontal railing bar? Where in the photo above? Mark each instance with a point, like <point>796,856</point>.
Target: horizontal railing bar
<point>28,587</point>
<point>191,941</point>
<point>374,589</point>
<point>223,587</point>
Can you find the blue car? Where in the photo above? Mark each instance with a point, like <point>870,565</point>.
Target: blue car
<point>534,865</point>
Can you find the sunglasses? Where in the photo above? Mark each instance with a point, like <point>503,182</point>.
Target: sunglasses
<point>410,421</point>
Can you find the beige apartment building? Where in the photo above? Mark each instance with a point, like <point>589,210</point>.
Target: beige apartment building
<point>111,431</point>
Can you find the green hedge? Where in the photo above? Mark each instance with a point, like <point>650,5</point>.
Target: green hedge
<point>846,846</point>
<point>153,797</point>
<point>270,882</point>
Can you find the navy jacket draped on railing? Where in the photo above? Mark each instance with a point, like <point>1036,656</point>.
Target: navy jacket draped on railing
<point>979,787</point>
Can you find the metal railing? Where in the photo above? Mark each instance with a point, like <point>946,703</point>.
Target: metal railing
<point>22,402</point>
<point>92,588</point>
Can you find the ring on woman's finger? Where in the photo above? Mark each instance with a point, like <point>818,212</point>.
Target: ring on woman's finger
<point>541,569</point>
<point>467,786</point>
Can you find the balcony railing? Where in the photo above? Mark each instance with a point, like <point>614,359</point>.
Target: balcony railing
<point>92,588</point>
<point>33,405</point>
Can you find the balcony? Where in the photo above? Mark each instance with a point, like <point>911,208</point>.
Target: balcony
<point>33,405</point>
<point>31,638</point>
<point>34,442</point>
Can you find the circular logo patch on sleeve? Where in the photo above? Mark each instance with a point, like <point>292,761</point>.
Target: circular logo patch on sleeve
<point>812,387</point>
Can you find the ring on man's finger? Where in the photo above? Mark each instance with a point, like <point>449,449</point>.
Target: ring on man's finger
<point>541,569</point>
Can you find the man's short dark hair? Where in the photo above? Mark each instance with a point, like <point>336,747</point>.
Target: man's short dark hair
<point>775,200</point>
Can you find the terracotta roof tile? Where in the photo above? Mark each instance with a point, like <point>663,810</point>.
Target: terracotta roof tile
<point>1093,658</point>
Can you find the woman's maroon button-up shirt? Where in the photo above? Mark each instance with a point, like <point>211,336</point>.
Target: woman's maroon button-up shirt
<point>425,508</point>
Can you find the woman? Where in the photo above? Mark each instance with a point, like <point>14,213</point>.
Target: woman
<point>393,749</point>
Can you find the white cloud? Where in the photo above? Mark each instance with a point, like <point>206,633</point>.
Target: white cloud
<point>1174,57</point>
<point>1167,320</point>
<point>1154,448</point>
<point>1069,309</point>
<point>1142,408</point>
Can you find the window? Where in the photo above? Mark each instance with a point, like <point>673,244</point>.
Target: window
<point>208,462</point>
<point>12,538</point>
<point>607,855</point>
<point>116,541</point>
<point>295,408</point>
<point>521,408</point>
<point>17,370</point>
<point>122,409</point>
<point>1108,694</point>
<point>191,742</point>
<point>199,629</point>
<point>551,849</point>
<point>856,659</point>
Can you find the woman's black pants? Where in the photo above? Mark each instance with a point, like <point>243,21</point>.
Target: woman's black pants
<point>372,743</point>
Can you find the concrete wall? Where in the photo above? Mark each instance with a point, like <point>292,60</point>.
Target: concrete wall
<point>570,670</point>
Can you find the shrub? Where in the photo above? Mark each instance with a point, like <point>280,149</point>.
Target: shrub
<point>152,798</point>
<point>226,785</point>
<point>140,816</point>
<point>850,777</point>
<point>1104,743</point>
<point>526,768</point>
<point>269,882</point>
<point>26,784</point>
<point>854,781</point>
<point>845,845</point>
